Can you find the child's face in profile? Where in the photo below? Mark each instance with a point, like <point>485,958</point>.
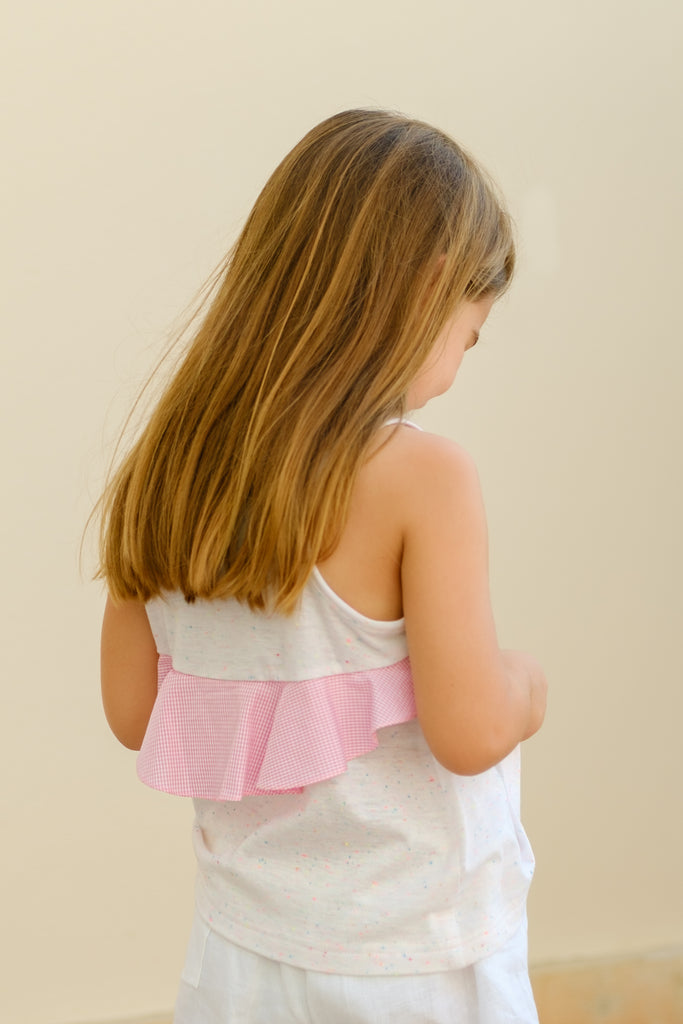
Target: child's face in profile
<point>459,334</point>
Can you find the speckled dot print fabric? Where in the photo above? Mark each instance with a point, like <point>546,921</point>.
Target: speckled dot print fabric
<point>327,836</point>
<point>223,983</point>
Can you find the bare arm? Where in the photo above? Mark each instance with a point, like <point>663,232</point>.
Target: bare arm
<point>128,671</point>
<point>475,703</point>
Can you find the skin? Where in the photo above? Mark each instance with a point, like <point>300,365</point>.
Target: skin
<point>128,670</point>
<point>460,334</point>
<point>415,545</point>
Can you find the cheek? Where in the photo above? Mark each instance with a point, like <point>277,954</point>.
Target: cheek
<point>447,371</point>
<point>454,362</point>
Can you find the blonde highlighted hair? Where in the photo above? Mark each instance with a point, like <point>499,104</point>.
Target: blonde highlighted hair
<point>366,239</point>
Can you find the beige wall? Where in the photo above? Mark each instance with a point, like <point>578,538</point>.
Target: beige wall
<point>139,133</point>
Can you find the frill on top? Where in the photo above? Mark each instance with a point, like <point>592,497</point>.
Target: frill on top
<point>218,739</point>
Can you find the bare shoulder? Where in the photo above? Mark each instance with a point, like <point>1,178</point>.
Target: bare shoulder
<point>420,447</point>
<point>424,470</point>
<point>406,491</point>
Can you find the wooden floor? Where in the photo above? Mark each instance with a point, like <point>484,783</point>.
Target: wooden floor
<point>646,990</point>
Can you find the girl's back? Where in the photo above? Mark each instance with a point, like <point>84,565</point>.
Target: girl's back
<point>322,673</point>
<point>383,861</point>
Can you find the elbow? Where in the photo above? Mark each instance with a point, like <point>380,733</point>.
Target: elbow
<point>130,742</point>
<point>464,757</point>
<point>130,734</point>
<point>131,739</point>
<point>459,763</point>
<point>471,737</point>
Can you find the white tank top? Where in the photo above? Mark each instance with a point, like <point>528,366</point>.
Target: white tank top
<point>326,833</point>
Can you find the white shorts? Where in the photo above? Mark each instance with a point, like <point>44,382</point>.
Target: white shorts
<point>224,984</point>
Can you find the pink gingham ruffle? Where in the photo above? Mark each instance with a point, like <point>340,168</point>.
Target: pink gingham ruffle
<point>221,740</point>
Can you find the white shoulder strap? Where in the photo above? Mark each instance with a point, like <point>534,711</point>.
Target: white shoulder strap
<point>406,423</point>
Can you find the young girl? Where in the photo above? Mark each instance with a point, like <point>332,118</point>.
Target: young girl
<point>299,632</point>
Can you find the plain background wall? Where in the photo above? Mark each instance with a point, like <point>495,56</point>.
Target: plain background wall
<point>138,134</point>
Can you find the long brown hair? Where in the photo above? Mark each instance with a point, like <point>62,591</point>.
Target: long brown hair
<point>328,306</point>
